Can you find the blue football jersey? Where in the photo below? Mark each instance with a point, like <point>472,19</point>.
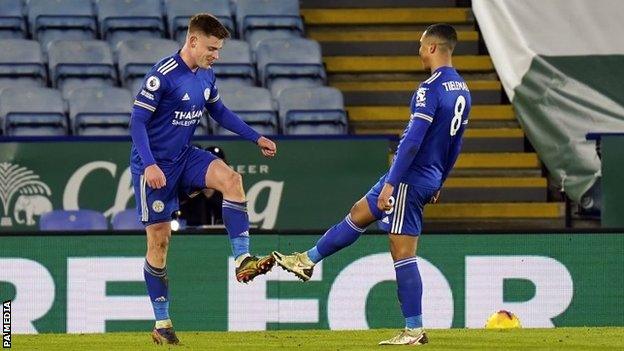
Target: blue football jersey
<point>176,96</point>
<point>444,101</point>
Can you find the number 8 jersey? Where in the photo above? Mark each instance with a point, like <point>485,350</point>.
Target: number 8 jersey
<point>438,117</point>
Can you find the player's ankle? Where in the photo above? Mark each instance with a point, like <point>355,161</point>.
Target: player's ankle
<point>165,323</point>
<point>307,260</point>
<point>313,256</point>
<point>240,258</point>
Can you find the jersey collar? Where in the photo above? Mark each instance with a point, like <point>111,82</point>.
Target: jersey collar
<point>443,68</point>
<point>181,63</point>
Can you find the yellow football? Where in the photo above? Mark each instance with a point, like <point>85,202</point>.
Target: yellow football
<point>503,320</point>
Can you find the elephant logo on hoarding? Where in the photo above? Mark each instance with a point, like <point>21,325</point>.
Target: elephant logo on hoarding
<point>31,205</point>
<point>33,197</point>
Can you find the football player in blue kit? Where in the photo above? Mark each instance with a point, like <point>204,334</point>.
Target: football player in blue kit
<point>426,154</point>
<point>164,117</point>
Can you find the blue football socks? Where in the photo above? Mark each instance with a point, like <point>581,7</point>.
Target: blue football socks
<point>236,223</point>
<point>157,288</point>
<point>409,287</point>
<point>336,238</point>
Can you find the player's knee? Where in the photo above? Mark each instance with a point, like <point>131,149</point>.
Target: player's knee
<point>361,214</point>
<point>354,209</point>
<point>160,243</point>
<point>234,182</point>
<point>159,236</point>
<point>400,251</point>
<point>402,254</point>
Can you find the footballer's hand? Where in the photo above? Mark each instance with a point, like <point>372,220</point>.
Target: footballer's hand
<point>434,199</point>
<point>383,201</point>
<point>267,146</point>
<point>154,177</point>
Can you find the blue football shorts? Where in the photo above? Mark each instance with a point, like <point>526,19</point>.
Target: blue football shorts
<point>157,205</point>
<point>405,217</point>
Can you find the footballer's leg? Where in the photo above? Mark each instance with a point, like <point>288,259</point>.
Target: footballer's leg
<point>336,238</point>
<point>221,177</point>
<point>155,273</point>
<point>409,289</point>
<point>405,228</point>
<point>362,214</point>
<point>155,207</point>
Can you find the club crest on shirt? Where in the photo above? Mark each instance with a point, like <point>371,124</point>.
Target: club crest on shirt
<point>207,94</point>
<point>152,83</point>
<point>158,206</point>
<point>421,97</point>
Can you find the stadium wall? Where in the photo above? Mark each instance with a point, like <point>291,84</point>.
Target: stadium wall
<point>299,189</point>
<point>94,283</point>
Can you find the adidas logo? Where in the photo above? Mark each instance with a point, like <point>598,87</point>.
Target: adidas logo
<point>161,299</point>
<point>385,220</point>
<point>186,97</point>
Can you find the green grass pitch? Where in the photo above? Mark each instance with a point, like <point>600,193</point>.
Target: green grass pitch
<point>610,338</point>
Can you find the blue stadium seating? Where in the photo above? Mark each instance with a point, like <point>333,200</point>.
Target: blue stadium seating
<point>85,68</point>
<point>81,63</point>
<point>235,64</point>
<point>136,58</point>
<point>100,111</point>
<point>180,11</point>
<point>61,19</point>
<point>312,111</point>
<point>295,58</point>
<point>279,84</point>
<point>257,36</point>
<point>254,105</point>
<point>33,112</point>
<point>127,220</point>
<point>12,24</point>
<point>21,63</point>
<point>222,83</point>
<point>130,19</point>
<point>72,220</point>
<point>273,15</point>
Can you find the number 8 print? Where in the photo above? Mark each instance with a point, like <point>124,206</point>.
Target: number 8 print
<point>460,105</point>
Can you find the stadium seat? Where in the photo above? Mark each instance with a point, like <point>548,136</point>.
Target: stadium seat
<point>18,83</point>
<point>81,63</point>
<point>279,84</point>
<point>21,60</point>
<point>254,105</point>
<point>235,63</point>
<point>130,19</point>
<point>293,58</point>
<point>33,112</point>
<point>180,11</point>
<point>61,19</point>
<point>225,83</point>
<point>100,111</point>
<point>312,111</point>
<point>255,37</point>
<point>75,220</point>
<point>12,24</point>
<point>127,220</point>
<point>273,15</point>
<point>136,58</point>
